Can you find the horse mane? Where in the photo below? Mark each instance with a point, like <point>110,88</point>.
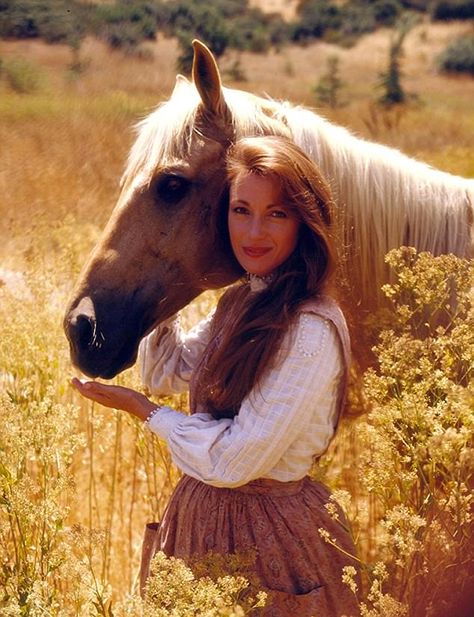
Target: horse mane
<point>387,199</point>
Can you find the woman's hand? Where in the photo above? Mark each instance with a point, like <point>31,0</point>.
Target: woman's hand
<point>116,397</point>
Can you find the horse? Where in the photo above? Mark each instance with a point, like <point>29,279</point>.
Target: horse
<point>166,241</point>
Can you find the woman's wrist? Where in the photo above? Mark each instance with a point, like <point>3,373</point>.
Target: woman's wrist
<point>152,414</point>
<point>144,408</point>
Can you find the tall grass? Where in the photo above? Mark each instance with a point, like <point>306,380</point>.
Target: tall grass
<point>77,482</point>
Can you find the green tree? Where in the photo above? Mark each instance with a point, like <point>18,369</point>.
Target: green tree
<point>328,88</point>
<point>458,57</point>
<point>453,9</point>
<point>315,17</point>
<point>125,24</point>
<point>190,19</point>
<point>390,80</point>
<point>61,21</point>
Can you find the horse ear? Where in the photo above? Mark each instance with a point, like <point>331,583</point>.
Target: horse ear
<point>207,79</point>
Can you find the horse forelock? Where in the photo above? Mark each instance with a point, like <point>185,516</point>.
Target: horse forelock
<point>164,136</point>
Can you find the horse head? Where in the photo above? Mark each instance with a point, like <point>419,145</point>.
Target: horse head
<point>166,240</point>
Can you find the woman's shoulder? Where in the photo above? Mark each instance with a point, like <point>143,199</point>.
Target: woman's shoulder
<point>311,330</point>
<point>323,315</point>
<point>309,334</point>
<point>324,305</point>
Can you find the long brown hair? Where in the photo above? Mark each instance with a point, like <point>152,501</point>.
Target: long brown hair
<point>249,343</point>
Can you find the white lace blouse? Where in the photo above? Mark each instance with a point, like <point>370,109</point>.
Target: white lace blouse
<point>288,419</point>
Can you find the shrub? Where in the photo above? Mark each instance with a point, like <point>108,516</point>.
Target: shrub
<point>175,589</point>
<point>386,12</point>
<point>417,5</point>
<point>328,89</point>
<point>315,17</point>
<point>125,25</point>
<point>412,468</point>
<point>39,437</point>
<point>458,57</point>
<point>190,19</point>
<point>23,76</point>
<point>357,19</point>
<point>220,25</point>
<point>281,32</point>
<point>59,21</point>
<point>417,454</point>
<point>390,80</point>
<point>342,22</point>
<point>250,33</point>
<point>453,9</point>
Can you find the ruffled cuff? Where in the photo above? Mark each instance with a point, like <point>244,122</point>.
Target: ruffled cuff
<point>165,421</point>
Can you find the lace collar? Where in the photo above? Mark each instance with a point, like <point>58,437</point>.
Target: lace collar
<point>259,283</point>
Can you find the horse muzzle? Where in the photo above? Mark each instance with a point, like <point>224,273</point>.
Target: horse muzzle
<point>103,337</point>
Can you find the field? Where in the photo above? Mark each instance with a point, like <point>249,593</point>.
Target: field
<point>78,482</point>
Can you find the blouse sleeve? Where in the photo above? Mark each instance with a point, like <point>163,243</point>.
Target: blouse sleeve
<point>291,398</point>
<point>168,356</point>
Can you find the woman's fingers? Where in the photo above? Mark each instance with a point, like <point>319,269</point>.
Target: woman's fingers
<point>116,397</point>
<point>112,396</point>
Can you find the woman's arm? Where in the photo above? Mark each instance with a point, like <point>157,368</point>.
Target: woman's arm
<point>167,356</point>
<point>296,396</point>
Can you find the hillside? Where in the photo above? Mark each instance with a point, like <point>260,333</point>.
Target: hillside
<point>443,110</point>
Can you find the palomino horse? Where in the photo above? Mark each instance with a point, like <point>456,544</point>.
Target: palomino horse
<point>166,240</point>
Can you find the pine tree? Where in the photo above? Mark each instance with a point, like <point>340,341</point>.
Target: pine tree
<point>328,88</point>
<point>390,80</point>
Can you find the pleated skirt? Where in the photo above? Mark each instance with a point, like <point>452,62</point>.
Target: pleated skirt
<point>279,522</point>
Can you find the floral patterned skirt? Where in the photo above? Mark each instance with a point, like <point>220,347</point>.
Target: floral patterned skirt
<point>279,522</point>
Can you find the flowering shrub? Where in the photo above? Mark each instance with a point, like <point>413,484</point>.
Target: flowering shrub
<point>416,451</point>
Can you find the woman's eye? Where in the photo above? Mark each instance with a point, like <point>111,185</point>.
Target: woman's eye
<point>279,214</point>
<point>239,210</point>
<point>171,188</point>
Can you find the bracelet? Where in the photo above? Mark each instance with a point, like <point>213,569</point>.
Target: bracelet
<point>152,414</point>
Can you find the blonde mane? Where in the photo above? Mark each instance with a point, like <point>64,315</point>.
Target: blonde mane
<point>384,198</point>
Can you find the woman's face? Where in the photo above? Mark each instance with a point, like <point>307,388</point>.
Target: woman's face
<point>263,232</point>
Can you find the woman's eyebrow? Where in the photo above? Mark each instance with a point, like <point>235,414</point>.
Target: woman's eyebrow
<point>268,207</point>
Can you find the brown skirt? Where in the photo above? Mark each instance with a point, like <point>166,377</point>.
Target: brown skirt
<point>299,570</point>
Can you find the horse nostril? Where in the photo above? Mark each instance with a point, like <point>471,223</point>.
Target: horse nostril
<point>83,327</point>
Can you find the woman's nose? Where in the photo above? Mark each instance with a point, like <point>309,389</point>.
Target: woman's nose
<point>256,229</point>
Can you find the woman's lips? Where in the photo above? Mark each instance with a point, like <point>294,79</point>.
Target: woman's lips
<point>254,251</point>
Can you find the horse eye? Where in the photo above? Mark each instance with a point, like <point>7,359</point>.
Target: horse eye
<point>171,188</point>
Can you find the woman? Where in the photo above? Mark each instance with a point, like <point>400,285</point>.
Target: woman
<point>267,375</point>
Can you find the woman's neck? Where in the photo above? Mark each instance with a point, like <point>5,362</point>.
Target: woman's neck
<point>259,283</point>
